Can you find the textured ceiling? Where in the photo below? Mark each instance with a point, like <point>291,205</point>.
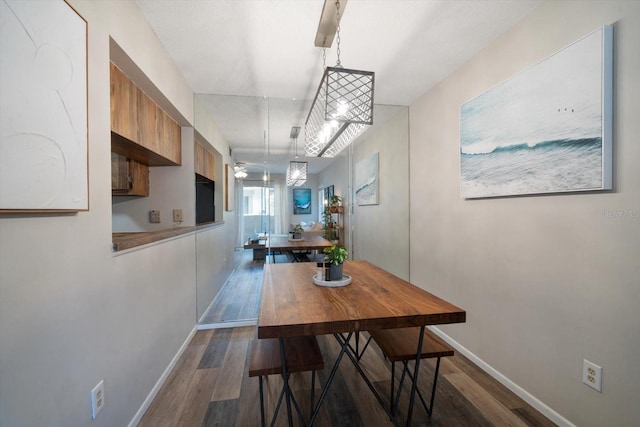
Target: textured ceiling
<point>265,48</point>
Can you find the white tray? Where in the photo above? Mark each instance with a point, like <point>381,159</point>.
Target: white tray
<point>291,239</point>
<point>346,279</point>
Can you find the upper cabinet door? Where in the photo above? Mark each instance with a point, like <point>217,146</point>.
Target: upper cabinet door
<point>169,133</point>
<point>124,105</point>
<point>204,161</point>
<point>140,129</point>
<point>148,123</point>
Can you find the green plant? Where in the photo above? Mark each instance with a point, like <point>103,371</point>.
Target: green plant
<point>336,254</point>
<point>298,229</point>
<point>330,228</point>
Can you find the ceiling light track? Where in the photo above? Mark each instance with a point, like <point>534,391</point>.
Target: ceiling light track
<point>329,21</point>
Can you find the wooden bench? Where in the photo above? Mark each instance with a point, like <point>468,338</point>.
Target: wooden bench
<point>302,354</point>
<point>400,345</point>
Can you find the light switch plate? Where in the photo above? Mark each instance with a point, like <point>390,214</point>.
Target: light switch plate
<point>154,216</point>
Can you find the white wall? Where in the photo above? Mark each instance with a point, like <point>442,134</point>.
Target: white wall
<point>548,280</point>
<point>381,232</point>
<point>72,314</point>
<point>214,247</point>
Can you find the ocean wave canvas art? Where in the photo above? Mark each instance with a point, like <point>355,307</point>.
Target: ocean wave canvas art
<point>301,201</point>
<point>366,180</point>
<point>546,130</point>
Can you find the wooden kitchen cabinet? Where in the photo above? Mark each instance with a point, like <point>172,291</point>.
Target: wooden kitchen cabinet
<point>128,177</point>
<point>204,162</point>
<point>168,132</point>
<point>140,129</point>
<point>124,105</point>
<point>147,123</point>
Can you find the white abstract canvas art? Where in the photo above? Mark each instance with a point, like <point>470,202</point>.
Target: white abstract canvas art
<point>366,180</point>
<point>546,130</point>
<point>43,124</point>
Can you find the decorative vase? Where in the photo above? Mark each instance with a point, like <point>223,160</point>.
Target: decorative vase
<point>335,272</point>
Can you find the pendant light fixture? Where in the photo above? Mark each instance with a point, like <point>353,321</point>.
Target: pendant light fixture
<point>343,106</point>
<point>297,171</point>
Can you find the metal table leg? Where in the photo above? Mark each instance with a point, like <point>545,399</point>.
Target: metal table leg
<point>415,376</point>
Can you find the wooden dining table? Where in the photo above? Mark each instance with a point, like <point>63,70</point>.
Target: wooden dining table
<point>292,305</point>
<point>287,244</point>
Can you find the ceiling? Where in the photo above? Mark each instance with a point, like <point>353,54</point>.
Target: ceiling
<point>254,66</point>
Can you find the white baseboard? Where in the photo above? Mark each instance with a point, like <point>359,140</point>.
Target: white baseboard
<point>208,308</point>
<point>230,324</point>
<point>156,388</point>
<point>515,388</point>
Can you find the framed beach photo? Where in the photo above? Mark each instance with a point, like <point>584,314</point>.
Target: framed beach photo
<point>301,201</point>
<point>545,130</point>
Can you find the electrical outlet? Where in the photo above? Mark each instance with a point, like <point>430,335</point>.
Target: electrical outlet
<point>97,399</point>
<point>592,375</point>
<point>177,215</point>
<point>154,216</point>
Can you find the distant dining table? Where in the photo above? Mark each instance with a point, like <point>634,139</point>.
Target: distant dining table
<point>285,243</point>
<point>292,305</point>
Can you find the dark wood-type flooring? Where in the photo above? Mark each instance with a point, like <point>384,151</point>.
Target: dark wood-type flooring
<point>210,386</point>
<point>239,298</point>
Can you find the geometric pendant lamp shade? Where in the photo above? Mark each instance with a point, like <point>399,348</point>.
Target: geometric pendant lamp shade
<point>296,173</point>
<point>341,111</point>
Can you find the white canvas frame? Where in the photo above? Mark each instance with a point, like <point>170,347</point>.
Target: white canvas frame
<point>43,125</point>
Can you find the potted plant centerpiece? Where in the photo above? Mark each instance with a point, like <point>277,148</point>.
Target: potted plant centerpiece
<point>297,232</point>
<point>336,255</point>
